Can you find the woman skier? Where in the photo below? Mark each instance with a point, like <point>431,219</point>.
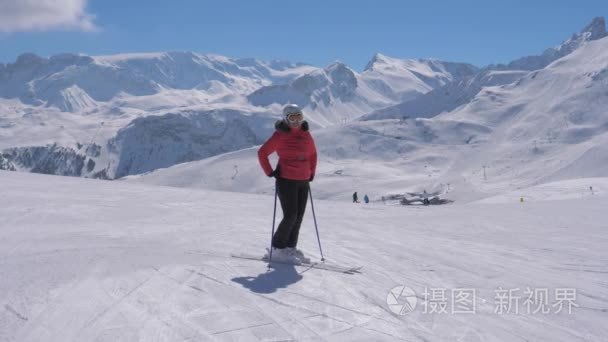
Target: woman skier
<point>295,169</point>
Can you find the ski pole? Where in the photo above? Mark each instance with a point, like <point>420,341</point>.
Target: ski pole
<point>274,215</point>
<point>312,205</point>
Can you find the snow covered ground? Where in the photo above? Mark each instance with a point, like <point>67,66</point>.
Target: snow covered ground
<point>91,260</point>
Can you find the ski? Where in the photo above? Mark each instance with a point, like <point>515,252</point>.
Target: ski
<point>313,264</point>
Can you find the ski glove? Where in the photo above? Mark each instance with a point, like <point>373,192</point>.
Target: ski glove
<point>311,178</point>
<point>275,173</point>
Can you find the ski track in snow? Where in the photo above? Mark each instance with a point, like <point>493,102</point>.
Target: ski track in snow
<point>86,260</point>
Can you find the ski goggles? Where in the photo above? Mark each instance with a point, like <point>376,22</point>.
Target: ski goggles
<point>295,118</point>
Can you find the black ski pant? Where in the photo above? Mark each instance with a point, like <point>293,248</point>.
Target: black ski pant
<point>293,195</point>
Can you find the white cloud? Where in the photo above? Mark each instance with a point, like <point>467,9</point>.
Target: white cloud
<point>44,15</point>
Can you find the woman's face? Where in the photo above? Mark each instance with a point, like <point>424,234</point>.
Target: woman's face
<point>295,120</point>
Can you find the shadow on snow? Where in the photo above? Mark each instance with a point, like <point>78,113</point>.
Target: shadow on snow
<point>280,276</point>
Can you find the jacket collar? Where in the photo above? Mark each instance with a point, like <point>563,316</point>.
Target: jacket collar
<point>282,126</point>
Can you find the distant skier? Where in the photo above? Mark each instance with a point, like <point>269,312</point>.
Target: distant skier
<point>366,199</point>
<point>355,197</point>
<point>295,169</point>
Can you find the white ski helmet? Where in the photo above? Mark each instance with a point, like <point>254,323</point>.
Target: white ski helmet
<point>291,109</point>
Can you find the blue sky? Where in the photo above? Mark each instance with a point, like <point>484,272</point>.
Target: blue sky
<point>314,32</point>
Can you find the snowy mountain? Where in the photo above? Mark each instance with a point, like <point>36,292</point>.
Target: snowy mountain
<point>338,94</point>
<point>128,104</point>
<point>143,144</point>
<point>460,92</point>
<point>409,78</point>
<point>154,142</point>
<point>594,31</point>
<point>76,83</point>
<point>553,120</point>
<point>549,125</point>
<point>329,95</point>
<point>51,108</point>
<point>53,159</point>
<point>472,130</point>
<point>446,98</point>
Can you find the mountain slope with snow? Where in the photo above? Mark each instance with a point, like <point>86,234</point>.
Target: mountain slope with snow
<point>328,96</point>
<point>500,130</point>
<point>50,108</point>
<point>41,81</point>
<point>411,77</point>
<point>594,31</point>
<point>447,97</point>
<point>460,92</point>
<point>338,94</point>
<point>105,261</point>
<point>161,141</point>
<point>551,125</point>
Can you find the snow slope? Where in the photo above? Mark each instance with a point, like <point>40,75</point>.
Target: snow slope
<point>70,81</point>
<point>461,91</point>
<point>85,260</point>
<point>577,189</point>
<point>411,77</point>
<point>338,94</point>
<point>596,29</point>
<point>447,97</point>
<point>72,99</point>
<point>375,157</point>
